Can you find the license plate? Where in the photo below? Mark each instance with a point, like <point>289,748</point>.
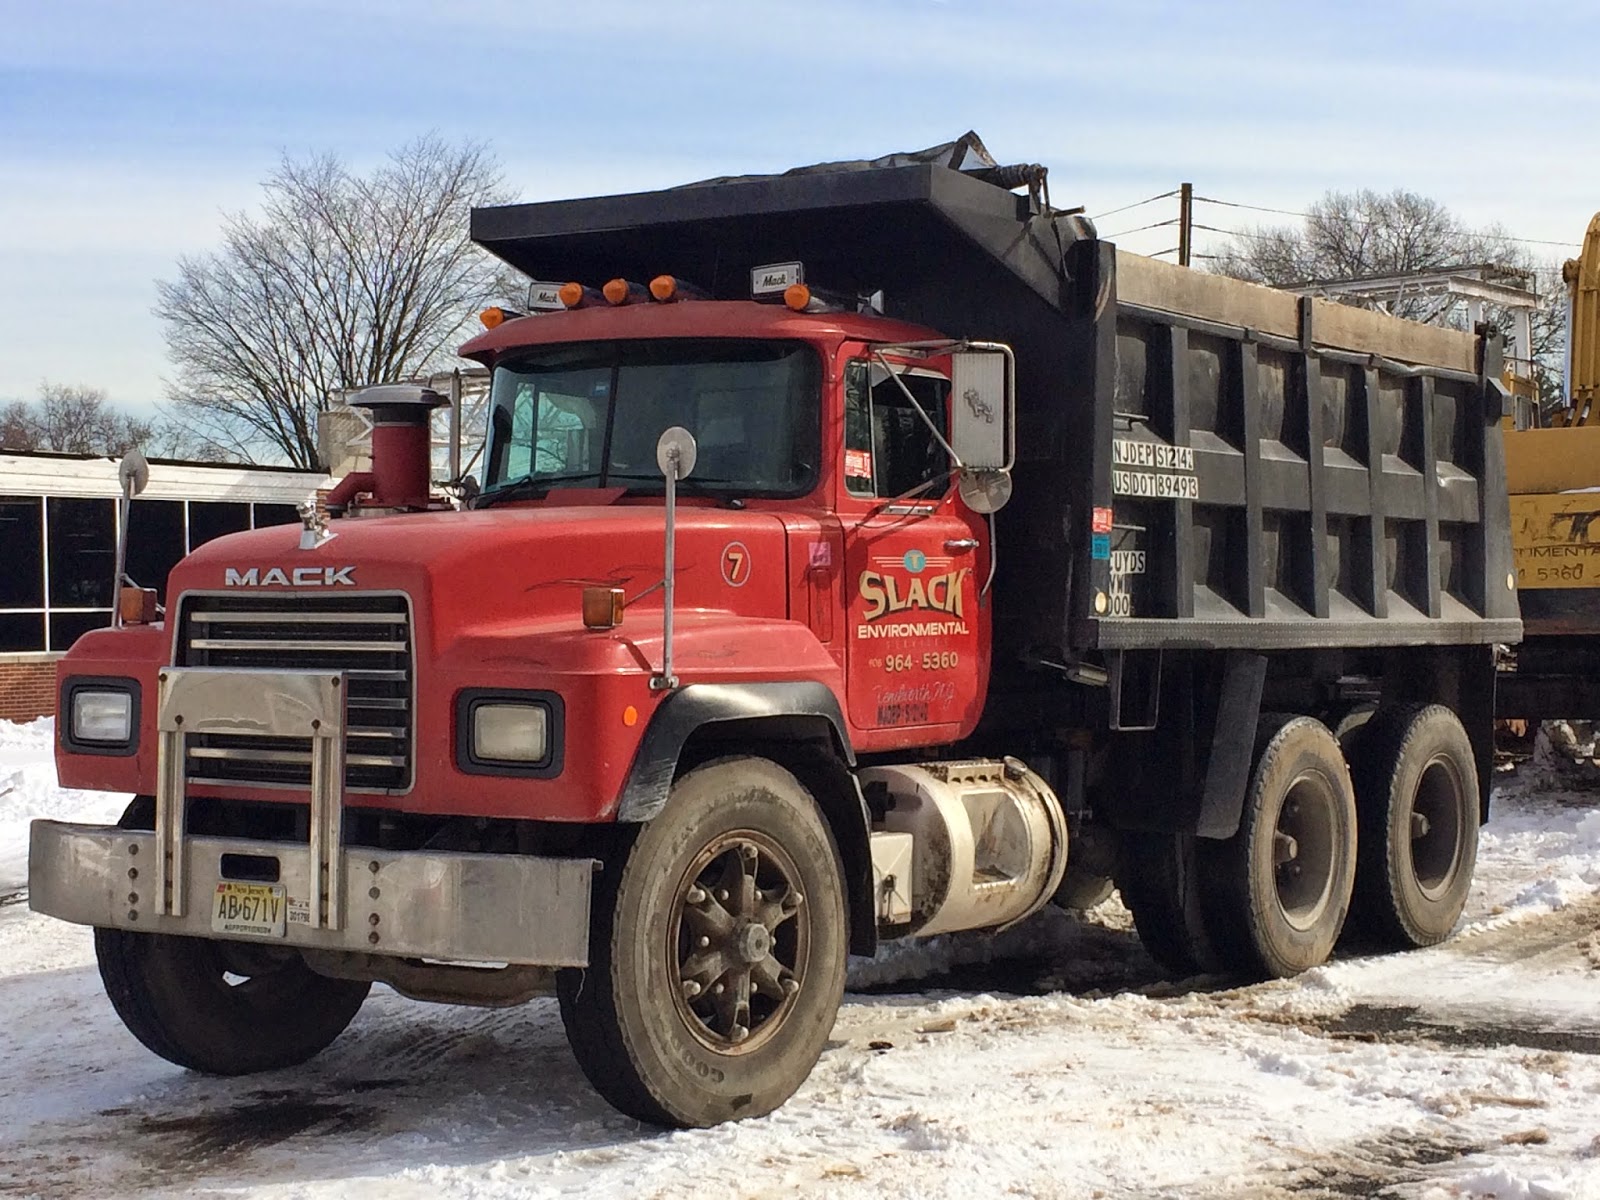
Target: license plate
<point>257,909</point>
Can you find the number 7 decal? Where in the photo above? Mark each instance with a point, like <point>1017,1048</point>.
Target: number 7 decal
<point>735,564</point>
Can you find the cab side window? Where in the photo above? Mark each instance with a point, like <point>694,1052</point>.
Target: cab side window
<point>889,449</point>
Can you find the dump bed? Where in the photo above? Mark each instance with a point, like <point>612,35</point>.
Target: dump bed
<point>1203,462</point>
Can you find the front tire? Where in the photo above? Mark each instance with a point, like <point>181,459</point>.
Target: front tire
<point>225,1008</point>
<point>1417,795</point>
<point>717,951</point>
<point>1280,887</point>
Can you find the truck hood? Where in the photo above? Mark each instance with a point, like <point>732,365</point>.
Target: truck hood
<point>517,566</point>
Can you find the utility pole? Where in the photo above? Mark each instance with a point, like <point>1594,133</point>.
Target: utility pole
<point>1185,222</point>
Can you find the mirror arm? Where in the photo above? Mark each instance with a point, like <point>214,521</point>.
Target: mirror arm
<point>921,412</point>
<point>666,680</point>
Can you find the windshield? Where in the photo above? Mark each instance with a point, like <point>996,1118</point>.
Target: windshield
<point>590,414</point>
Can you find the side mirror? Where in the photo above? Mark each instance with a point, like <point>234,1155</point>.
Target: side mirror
<point>983,425</point>
<point>980,410</point>
<point>676,453</point>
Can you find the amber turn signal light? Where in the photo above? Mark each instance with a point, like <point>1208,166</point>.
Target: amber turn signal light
<point>137,606</point>
<point>602,607</point>
<point>797,296</point>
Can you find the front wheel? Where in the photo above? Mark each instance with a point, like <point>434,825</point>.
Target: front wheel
<point>717,951</point>
<point>226,1008</point>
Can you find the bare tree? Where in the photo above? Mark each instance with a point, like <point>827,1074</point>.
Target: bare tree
<point>69,419</point>
<point>1363,234</point>
<point>343,280</point>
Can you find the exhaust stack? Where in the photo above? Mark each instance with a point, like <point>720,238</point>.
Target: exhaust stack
<point>401,448</point>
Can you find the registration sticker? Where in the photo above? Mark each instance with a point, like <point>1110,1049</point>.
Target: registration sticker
<point>256,909</point>
<point>1100,520</point>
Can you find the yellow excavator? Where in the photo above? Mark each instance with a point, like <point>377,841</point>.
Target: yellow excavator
<point>1553,476</point>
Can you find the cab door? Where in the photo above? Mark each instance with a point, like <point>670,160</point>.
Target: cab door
<point>916,561</point>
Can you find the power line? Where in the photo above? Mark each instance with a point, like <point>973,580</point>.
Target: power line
<point>1286,212</point>
<point>1139,204</point>
<point>1140,229</point>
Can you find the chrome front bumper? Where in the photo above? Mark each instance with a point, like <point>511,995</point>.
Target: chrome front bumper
<point>479,908</point>
<point>442,905</point>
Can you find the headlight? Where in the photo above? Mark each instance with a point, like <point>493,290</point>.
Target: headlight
<point>517,733</point>
<point>100,715</point>
<point>508,731</point>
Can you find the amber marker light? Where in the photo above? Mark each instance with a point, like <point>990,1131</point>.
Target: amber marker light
<point>602,607</point>
<point>571,294</point>
<point>630,716</point>
<point>615,291</point>
<point>797,296</point>
<point>492,318</point>
<point>664,288</point>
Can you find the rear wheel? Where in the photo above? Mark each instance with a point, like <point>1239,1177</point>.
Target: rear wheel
<point>1159,877</point>
<point>717,956</point>
<point>226,1008</point>
<point>1279,889</point>
<point>1417,795</point>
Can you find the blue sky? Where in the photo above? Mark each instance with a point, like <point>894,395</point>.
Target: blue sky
<point>127,129</point>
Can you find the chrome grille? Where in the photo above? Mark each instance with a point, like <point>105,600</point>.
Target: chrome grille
<point>368,637</point>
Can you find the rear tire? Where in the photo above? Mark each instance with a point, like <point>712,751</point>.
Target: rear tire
<point>174,994</point>
<point>1279,889</point>
<point>1159,877</point>
<point>717,951</point>
<point>1417,797</point>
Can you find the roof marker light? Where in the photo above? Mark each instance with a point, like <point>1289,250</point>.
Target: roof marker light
<point>664,288</point>
<point>570,294</point>
<point>797,296</point>
<point>624,291</point>
<point>495,317</point>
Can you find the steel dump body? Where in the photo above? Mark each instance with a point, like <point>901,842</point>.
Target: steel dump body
<point>1279,473</point>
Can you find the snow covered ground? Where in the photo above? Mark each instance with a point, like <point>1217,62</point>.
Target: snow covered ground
<point>1047,1061</point>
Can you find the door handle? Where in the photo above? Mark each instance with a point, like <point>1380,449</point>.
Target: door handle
<point>961,544</point>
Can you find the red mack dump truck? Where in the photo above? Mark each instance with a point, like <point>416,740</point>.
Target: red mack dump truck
<point>898,559</point>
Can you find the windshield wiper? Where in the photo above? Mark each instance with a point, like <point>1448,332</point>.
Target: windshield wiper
<point>695,486</point>
<point>527,485</point>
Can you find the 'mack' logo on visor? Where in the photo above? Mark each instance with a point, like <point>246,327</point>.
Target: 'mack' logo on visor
<point>294,577</point>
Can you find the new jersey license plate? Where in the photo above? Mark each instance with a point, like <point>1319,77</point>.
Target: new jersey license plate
<point>257,909</point>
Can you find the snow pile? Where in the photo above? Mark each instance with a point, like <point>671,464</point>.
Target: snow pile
<point>28,790</point>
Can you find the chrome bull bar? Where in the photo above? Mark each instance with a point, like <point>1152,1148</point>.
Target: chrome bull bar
<point>283,704</point>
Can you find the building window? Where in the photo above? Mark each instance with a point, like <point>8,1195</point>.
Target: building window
<point>57,556</point>
<point>156,541</point>
<point>208,521</point>
<point>275,514</point>
<point>22,535</point>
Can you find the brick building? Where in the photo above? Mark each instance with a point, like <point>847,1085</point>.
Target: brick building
<point>58,528</point>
